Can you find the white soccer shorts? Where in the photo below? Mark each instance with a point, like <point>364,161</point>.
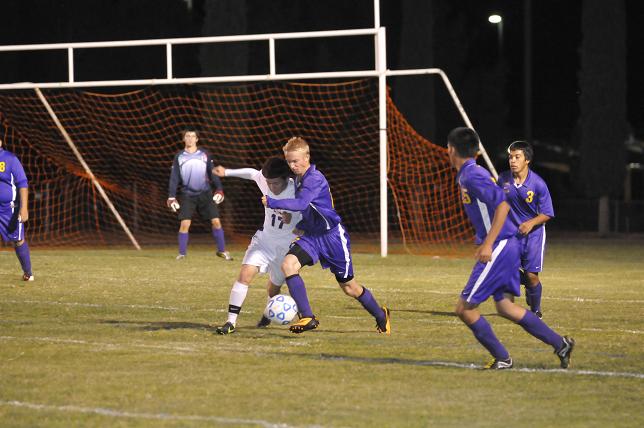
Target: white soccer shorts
<point>268,256</point>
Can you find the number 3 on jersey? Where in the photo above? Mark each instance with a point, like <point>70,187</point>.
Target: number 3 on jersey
<point>530,196</point>
<point>465,197</point>
<point>275,218</point>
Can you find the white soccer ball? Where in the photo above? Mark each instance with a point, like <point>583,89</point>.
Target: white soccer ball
<point>281,309</point>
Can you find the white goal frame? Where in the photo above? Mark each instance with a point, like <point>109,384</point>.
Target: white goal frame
<point>380,71</point>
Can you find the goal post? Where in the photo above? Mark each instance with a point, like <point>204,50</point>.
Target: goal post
<point>380,72</point>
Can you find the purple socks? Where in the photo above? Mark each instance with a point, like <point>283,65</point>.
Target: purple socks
<point>23,255</point>
<point>218,234</point>
<point>369,303</point>
<point>537,328</point>
<point>297,290</point>
<point>483,332</point>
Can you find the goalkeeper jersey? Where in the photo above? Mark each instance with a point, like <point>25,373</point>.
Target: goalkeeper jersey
<point>192,173</point>
<point>274,228</point>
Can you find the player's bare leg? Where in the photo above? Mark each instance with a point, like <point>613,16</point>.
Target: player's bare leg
<point>363,295</point>
<point>184,229</point>
<point>237,297</point>
<point>482,330</point>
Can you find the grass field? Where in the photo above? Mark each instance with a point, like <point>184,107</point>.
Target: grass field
<point>125,338</point>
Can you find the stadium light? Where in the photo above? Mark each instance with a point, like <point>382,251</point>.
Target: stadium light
<point>495,19</point>
<point>498,21</point>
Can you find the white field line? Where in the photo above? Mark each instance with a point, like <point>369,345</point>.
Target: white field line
<point>326,357</point>
<point>220,310</point>
<point>137,415</point>
<point>477,367</point>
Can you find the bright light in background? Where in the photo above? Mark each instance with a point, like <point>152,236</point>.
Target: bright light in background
<point>495,19</point>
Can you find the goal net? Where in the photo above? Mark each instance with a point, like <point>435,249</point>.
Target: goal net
<point>128,140</point>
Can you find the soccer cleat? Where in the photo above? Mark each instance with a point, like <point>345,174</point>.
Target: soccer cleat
<point>228,328</point>
<point>564,352</point>
<point>181,256</point>
<point>27,277</point>
<point>304,324</point>
<point>497,364</point>
<point>385,326</point>
<point>538,314</point>
<point>225,255</point>
<point>264,322</point>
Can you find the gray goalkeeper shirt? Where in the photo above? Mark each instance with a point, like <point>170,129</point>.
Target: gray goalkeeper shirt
<point>192,174</point>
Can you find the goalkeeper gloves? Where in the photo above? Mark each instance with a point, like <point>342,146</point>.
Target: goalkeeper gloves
<point>218,197</point>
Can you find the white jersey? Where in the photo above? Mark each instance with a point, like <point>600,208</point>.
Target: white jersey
<point>274,228</point>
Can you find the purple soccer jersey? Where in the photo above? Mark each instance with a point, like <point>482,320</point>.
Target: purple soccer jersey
<point>325,239</point>
<point>481,196</point>
<point>528,200</point>
<point>12,178</point>
<point>313,199</point>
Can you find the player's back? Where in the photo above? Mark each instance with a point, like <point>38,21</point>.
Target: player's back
<point>481,196</point>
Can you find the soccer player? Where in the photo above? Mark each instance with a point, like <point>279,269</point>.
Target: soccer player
<point>14,208</point>
<point>192,172</point>
<point>270,243</point>
<point>530,201</point>
<point>324,239</point>
<point>496,272</point>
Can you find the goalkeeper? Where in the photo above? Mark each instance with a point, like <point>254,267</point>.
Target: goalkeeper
<point>192,174</point>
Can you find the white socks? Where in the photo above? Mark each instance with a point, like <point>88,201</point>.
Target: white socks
<point>237,297</point>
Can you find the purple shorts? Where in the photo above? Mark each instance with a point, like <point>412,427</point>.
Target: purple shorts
<point>332,250</point>
<point>11,230</point>
<point>496,277</point>
<point>532,248</point>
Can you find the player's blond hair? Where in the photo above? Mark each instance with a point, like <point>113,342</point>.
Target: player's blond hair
<point>296,144</point>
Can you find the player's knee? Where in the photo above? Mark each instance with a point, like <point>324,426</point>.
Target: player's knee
<point>351,288</point>
<point>216,223</point>
<point>533,278</point>
<point>18,243</point>
<point>290,265</point>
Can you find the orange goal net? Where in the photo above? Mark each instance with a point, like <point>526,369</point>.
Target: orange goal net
<point>128,140</point>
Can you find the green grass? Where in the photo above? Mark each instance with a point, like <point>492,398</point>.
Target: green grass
<point>125,338</point>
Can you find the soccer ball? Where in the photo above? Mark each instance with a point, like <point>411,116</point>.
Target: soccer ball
<point>281,309</point>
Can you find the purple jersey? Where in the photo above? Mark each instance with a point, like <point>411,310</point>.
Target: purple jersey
<point>313,199</point>
<point>481,196</point>
<point>12,178</point>
<point>528,199</point>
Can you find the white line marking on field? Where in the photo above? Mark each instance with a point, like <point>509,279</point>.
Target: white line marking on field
<point>136,415</point>
<point>326,357</point>
<point>477,367</point>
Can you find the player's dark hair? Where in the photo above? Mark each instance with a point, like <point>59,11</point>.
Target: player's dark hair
<point>189,129</point>
<point>524,146</point>
<point>465,141</point>
<point>276,168</point>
